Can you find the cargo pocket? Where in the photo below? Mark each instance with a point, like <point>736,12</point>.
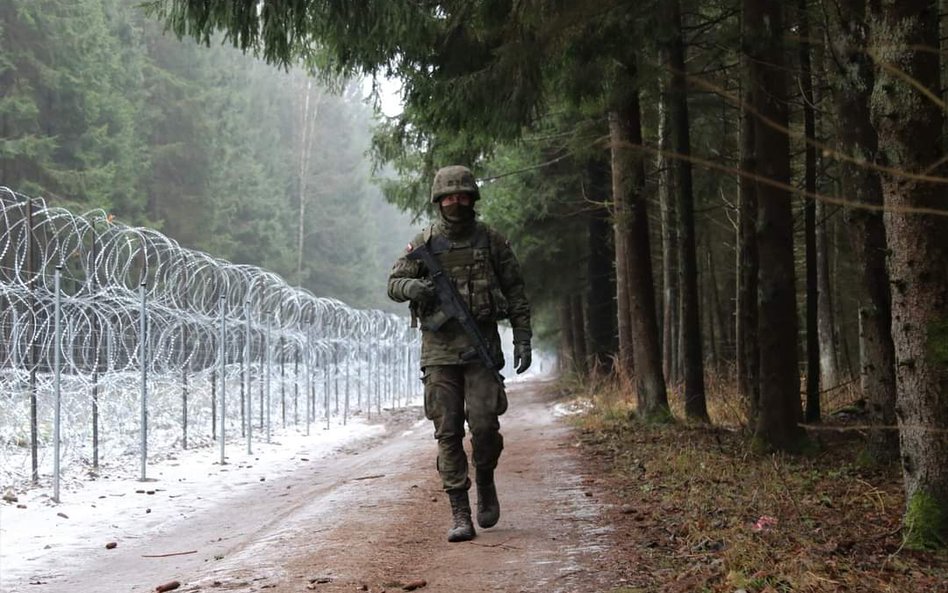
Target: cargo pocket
<point>431,403</point>
<point>501,400</point>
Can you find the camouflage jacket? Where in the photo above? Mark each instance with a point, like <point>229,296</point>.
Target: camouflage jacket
<point>487,275</point>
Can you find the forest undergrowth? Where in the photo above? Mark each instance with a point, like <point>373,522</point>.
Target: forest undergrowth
<point>695,509</point>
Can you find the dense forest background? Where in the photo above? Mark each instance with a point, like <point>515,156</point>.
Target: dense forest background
<point>744,193</point>
<point>100,109</point>
<point>703,191</point>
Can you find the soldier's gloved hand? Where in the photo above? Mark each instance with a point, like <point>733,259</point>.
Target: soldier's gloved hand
<point>420,290</point>
<point>522,356</point>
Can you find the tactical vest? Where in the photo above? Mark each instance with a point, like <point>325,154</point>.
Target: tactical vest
<point>470,265</point>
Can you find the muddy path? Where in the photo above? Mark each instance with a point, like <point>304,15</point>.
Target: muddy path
<point>375,519</point>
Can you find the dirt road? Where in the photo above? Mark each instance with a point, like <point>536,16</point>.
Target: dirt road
<point>375,519</point>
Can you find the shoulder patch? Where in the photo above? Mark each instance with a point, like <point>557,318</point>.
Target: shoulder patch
<point>408,248</point>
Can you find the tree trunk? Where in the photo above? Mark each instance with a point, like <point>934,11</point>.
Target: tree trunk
<point>632,235</point>
<point>567,355</point>
<point>673,57</point>
<point>910,126</point>
<point>829,322</point>
<point>715,316</point>
<point>846,333</point>
<point>809,216</point>
<point>748,356</point>
<point>308,114</point>
<point>600,295</point>
<point>580,353</point>
<point>829,345</point>
<point>780,412</point>
<point>852,85</point>
<point>669,217</point>
<point>709,338</point>
<point>622,159</point>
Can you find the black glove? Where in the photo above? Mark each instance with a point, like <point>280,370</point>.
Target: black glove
<point>522,356</point>
<point>420,290</point>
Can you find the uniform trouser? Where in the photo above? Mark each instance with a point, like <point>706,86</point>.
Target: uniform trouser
<point>453,394</point>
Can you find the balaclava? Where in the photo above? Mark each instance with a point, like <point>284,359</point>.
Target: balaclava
<point>457,213</point>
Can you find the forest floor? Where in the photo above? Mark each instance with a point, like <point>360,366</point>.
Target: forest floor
<point>695,510</point>
<point>592,502</point>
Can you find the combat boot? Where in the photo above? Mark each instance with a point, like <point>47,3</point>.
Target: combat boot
<point>463,529</point>
<point>488,507</point>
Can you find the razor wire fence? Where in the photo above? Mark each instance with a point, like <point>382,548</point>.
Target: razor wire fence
<point>116,343</point>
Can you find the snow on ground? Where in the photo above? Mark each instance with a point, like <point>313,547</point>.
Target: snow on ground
<point>571,408</point>
<point>36,532</point>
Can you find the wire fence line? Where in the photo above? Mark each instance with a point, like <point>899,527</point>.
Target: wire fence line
<point>117,343</point>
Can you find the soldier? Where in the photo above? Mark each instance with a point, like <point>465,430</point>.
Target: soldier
<point>482,266</point>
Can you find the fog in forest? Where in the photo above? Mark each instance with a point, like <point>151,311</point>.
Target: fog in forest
<point>219,151</point>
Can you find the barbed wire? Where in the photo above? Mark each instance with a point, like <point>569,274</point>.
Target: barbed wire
<point>210,327</point>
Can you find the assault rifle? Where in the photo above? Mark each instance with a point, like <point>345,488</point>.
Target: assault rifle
<point>453,307</point>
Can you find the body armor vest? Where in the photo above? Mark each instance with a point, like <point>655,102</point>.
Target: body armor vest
<point>469,263</point>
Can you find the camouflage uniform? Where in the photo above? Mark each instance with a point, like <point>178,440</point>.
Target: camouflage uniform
<point>488,278</point>
<point>485,271</point>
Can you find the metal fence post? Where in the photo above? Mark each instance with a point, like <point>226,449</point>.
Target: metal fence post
<point>143,360</point>
<point>223,371</point>
<point>308,369</point>
<point>184,381</point>
<point>96,347</point>
<point>267,363</point>
<point>296,387</point>
<point>378,379</point>
<point>335,374</point>
<point>31,279</point>
<point>58,381</point>
<point>326,406</point>
<point>282,365</point>
<point>214,403</point>
<point>361,376</point>
<point>367,382</point>
<point>246,378</point>
<point>243,384</point>
<point>345,411</point>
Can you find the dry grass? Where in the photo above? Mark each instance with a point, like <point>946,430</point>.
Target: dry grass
<point>696,510</point>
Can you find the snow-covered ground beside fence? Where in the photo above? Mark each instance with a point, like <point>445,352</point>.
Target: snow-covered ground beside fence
<point>37,534</point>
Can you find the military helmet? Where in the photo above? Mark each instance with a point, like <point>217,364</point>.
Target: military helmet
<point>456,179</point>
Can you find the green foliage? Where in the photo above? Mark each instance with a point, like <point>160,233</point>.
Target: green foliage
<point>536,193</point>
<point>69,129</point>
<point>926,522</point>
<point>477,77</point>
<point>465,54</point>
<point>937,343</point>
